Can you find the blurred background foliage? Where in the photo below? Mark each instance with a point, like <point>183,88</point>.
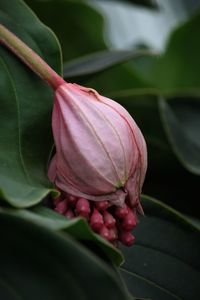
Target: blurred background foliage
<point>145,55</point>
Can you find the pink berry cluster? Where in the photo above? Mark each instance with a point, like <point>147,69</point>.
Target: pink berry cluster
<point>111,222</point>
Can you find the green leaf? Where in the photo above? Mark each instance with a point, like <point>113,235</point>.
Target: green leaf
<point>99,61</point>
<point>25,110</point>
<point>78,26</point>
<point>38,263</point>
<point>178,69</point>
<point>164,263</point>
<point>181,120</point>
<point>78,228</point>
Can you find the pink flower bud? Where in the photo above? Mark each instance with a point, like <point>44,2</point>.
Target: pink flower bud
<point>72,200</point>
<point>113,233</point>
<point>104,232</point>
<point>61,207</point>
<point>96,220</point>
<point>126,238</point>
<point>69,214</point>
<point>83,207</point>
<point>102,205</point>
<point>129,221</point>
<point>122,211</point>
<point>109,221</point>
<point>100,151</point>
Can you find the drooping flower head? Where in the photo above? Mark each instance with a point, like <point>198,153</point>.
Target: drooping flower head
<point>100,151</point>
<point>100,156</point>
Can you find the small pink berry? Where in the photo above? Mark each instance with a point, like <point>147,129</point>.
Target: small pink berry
<point>113,233</point>
<point>109,221</point>
<point>83,207</point>
<point>126,238</point>
<point>61,207</point>
<point>101,205</point>
<point>104,232</point>
<point>129,221</point>
<point>69,214</point>
<point>122,211</point>
<point>72,200</point>
<point>96,220</point>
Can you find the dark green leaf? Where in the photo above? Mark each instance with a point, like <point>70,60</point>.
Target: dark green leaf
<point>181,119</point>
<point>164,263</point>
<point>178,69</point>
<point>25,110</point>
<point>99,61</point>
<point>38,263</point>
<point>78,26</point>
<point>77,228</point>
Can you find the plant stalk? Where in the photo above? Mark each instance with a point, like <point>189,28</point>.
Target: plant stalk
<point>30,58</point>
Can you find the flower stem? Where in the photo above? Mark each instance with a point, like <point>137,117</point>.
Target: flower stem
<point>30,58</point>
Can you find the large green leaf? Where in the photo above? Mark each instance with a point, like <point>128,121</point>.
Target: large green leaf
<point>99,61</point>
<point>181,119</point>
<point>25,110</point>
<point>78,26</point>
<point>78,228</point>
<point>164,263</point>
<point>38,263</point>
<point>177,70</point>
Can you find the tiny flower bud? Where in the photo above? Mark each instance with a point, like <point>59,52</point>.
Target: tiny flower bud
<point>104,232</point>
<point>61,207</point>
<point>83,207</point>
<point>126,238</point>
<point>129,221</point>
<point>113,233</point>
<point>72,200</point>
<point>109,221</point>
<point>96,220</point>
<point>69,214</point>
<point>122,211</point>
<point>101,205</point>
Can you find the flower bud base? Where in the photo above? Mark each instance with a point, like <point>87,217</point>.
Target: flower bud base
<point>111,222</point>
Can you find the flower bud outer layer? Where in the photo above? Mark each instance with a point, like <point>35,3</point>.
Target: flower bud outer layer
<point>100,151</point>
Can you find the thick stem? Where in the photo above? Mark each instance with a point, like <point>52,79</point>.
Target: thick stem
<point>30,58</point>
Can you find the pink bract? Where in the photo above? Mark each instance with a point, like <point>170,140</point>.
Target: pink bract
<point>100,151</point>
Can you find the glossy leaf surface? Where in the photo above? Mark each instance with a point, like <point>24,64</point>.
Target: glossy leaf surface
<point>25,107</point>
<point>77,228</point>
<point>164,263</point>
<point>41,264</point>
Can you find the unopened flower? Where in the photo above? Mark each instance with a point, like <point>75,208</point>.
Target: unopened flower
<point>100,160</point>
